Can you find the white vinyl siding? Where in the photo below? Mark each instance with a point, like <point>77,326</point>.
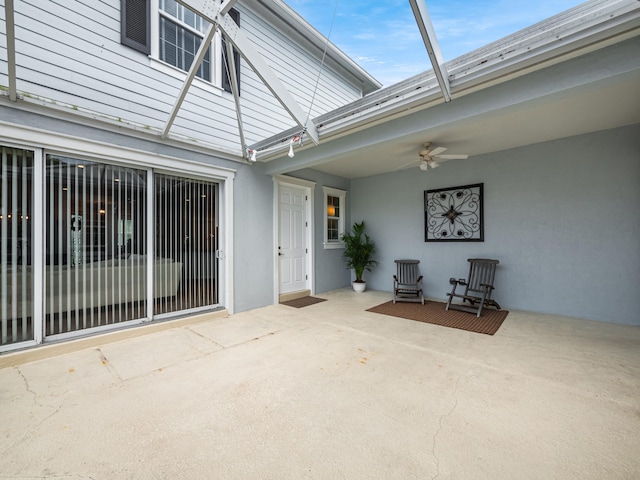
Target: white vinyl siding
<point>70,58</point>
<point>299,70</point>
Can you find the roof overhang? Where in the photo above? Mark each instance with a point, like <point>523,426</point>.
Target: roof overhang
<point>576,32</point>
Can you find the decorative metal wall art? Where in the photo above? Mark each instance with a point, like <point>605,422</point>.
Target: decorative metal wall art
<point>454,214</point>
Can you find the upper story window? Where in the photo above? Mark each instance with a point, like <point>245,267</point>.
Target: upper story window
<point>172,34</point>
<point>180,33</point>
<point>334,217</point>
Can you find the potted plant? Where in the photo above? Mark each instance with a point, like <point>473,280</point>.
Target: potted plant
<point>358,254</point>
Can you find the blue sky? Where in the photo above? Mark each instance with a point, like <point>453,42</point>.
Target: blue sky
<point>383,38</point>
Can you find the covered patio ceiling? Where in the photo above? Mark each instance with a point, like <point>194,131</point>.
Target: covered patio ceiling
<point>474,125</point>
<point>534,86</point>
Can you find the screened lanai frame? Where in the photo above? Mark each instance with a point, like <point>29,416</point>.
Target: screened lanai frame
<point>211,180</point>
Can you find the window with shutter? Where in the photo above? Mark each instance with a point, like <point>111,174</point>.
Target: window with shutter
<point>226,71</point>
<point>135,25</point>
<point>171,35</point>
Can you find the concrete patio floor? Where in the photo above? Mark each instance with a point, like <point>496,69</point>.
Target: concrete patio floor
<point>331,391</point>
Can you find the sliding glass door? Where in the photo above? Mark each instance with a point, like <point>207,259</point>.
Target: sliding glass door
<point>89,266</point>
<point>16,245</point>
<point>186,242</point>
<point>95,244</point>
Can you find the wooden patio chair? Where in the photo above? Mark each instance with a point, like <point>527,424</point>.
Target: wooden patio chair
<point>407,282</point>
<point>477,289</point>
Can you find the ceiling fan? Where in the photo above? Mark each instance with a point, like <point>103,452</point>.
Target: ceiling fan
<point>428,158</point>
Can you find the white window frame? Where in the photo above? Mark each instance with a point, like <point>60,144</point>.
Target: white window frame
<point>342,195</point>
<point>213,86</point>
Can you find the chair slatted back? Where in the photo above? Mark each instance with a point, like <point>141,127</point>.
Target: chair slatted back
<point>481,270</point>
<point>407,271</point>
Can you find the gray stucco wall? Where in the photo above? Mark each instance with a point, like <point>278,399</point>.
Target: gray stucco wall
<point>253,238</point>
<point>562,218</point>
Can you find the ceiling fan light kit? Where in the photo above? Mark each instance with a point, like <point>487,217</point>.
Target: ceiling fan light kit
<point>426,164</point>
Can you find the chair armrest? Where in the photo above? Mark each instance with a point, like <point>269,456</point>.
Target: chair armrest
<point>395,278</point>
<point>458,281</point>
<point>486,285</point>
<point>419,279</point>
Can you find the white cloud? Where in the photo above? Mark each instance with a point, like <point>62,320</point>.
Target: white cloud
<point>371,60</point>
<point>384,39</point>
<point>365,36</point>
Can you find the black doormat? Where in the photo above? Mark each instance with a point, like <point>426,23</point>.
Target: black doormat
<point>303,301</point>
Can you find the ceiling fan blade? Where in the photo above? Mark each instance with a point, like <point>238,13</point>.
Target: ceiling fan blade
<point>450,157</point>
<point>407,165</point>
<point>436,151</point>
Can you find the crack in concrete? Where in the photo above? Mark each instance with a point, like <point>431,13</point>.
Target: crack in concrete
<point>249,340</point>
<point>37,404</point>
<point>28,387</point>
<point>209,339</point>
<point>448,414</point>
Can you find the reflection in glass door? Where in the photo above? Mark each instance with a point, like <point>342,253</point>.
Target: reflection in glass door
<point>16,245</point>
<point>95,245</point>
<point>186,237</point>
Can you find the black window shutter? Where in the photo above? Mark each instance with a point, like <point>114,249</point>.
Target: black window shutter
<point>226,75</point>
<point>134,25</point>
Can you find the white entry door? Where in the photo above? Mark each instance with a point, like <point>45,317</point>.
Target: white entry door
<point>292,245</point>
